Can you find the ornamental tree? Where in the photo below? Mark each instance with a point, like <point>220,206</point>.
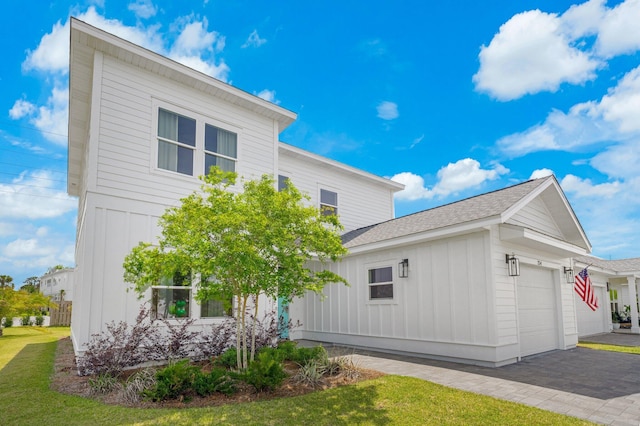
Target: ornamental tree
<point>242,245</point>
<point>20,302</point>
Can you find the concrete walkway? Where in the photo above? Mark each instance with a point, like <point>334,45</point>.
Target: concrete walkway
<point>599,386</point>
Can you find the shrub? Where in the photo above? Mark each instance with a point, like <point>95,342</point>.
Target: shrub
<point>119,347</point>
<point>265,373</point>
<point>8,322</point>
<point>26,320</point>
<point>302,355</point>
<point>228,359</point>
<point>288,349</point>
<point>103,383</point>
<point>138,383</point>
<point>39,320</point>
<point>217,380</point>
<point>310,373</point>
<point>173,381</point>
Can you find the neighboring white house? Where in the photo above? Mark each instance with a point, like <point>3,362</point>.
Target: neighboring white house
<point>58,284</point>
<point>615,285</point>
<point>436,283</point>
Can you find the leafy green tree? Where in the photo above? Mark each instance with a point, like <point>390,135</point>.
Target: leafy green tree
<point>15,303</point>
<point>31,285</point>
<point>242,245</point>
<point>6,281</point>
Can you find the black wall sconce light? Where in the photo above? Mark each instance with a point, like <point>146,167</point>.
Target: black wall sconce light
<point>403,268</point>
<point>568,274</point>
<point>513,265</point>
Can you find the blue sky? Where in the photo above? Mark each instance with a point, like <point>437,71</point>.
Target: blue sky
<point>452,99</point>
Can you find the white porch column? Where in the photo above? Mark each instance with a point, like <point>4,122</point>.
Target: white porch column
<point>634,306</point>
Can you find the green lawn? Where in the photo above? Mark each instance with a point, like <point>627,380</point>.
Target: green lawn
<point>26,363</point>
<point>612,348</point>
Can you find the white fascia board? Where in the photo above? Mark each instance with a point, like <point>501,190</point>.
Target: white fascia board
<point>435,234</point>
<point>132,53</point>
<point>309,156</point>
<point>524,236</point>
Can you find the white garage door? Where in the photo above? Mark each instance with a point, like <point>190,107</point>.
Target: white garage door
<point>537,311</point>
<point>591,322</point>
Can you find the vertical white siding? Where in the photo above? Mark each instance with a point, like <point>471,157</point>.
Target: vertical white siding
<point>445,300</point>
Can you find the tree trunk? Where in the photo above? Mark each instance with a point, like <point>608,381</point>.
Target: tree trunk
<point>245,363</point>
<point>253,329</point>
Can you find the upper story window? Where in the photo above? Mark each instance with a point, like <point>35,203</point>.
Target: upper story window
<point>381,283</point>
<point>328,202</point>
<point>221,149</point>
<point>176,142</point>
<point>283,181</point>
<point>190,146</point>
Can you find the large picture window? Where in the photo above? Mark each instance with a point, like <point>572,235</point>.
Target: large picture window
<point>328,202</point>
<point>176,142</point>
<point>381,283</point>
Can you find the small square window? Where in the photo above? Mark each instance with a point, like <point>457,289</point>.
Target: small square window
<point>381,283</point>
<point>214,308</point>
<point>170,302</point>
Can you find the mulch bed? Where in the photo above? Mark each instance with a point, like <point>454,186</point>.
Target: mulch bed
<point>66,380</point>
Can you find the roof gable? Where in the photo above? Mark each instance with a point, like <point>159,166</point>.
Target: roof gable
<point>496,207</point>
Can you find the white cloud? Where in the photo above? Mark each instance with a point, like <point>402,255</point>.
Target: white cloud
<point>387,110</point>
<point>414,187</point>
<point>21,108</point>
<point>531,53</point>
<point>416,141</point>
<point>144,9</point>
<point>254,40</point>
<point>21,248</point>
<point>615,118</point>
<point>52,54</point>
<point>196,47</point>
<point>540,173</point>
<point>268,95</point>
<point>619,31</point>
<point>452,179</point>
<point>34,195</point>
<point>584,188</point>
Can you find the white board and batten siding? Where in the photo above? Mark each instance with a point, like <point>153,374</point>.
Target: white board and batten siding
<point>589,321</point>
<point>445,308</point>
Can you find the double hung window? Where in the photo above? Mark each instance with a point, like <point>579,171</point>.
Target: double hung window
<point>381,283</point>
<point>328,202</point>
<point>190,145</point>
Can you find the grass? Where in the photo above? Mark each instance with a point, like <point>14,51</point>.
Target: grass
<point>612,348</point>
<point>26,363</point>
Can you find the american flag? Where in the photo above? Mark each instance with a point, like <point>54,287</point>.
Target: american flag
<point>585,290</point>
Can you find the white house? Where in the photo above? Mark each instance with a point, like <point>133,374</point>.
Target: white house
<point>615,284</point>
<point>58,284</point>
<point>480,280</point>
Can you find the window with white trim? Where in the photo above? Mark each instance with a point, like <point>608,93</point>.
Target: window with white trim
<point>328,202</point>
<point>220,149</point>
<point>381,283</point>
<point>176,142</point>
<point>172,298</point>
<point>190,145</point>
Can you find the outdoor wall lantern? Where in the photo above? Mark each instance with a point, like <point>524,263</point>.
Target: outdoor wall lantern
<point>513,265</point>
<point>568,273</point>
<point>403,268</point>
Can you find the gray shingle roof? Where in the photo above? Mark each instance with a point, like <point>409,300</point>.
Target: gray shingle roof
<point>622,265</point>
<point>468,210</point>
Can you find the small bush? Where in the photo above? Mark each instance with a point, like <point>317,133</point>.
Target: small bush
<point>266,372</point>
<point>138,383</point>
<point>310,373</point>
<point>39,320</point>
<point>173,381</point>
<point>228,359</point>
<point>103,383</point>
<point>8,322</point>
<point>218,380</point>
<point>302,356</point>
<point>288,349</point>
<point>26,320</point>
